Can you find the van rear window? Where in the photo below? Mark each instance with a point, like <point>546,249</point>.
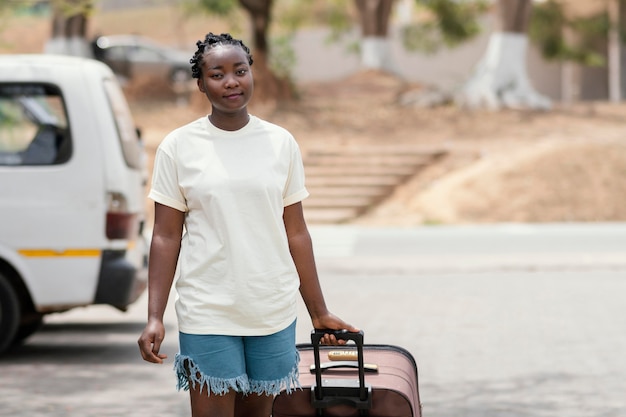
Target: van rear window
<point>33,125</point>
<point>132,147</point>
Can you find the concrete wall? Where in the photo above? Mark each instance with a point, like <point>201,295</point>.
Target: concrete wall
<point>318,60</point>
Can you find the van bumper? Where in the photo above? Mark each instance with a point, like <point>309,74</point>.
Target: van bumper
<point>121,280</point>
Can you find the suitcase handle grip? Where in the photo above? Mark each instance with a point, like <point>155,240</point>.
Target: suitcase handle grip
<point>363,399</point>
<point>357,337</point>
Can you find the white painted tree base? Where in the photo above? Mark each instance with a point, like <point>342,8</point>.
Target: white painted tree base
<point>500,79</point>
<point>375,54</point>
<point>75,46</point>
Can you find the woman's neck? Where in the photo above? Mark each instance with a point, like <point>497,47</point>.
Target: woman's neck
<point>229,121</point>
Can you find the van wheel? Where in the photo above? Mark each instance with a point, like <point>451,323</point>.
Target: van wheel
<point>25,330</point>
<point>9,313</point>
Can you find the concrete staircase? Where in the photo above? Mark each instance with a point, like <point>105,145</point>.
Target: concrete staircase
<point>345,182</point>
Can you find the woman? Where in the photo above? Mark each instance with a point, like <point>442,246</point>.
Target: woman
<point>235,183</point>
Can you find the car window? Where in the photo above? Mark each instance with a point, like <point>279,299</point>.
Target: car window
<point>116,53</point>
<point>143,54</point>
<point>33,125</point>
<point>132,147</point>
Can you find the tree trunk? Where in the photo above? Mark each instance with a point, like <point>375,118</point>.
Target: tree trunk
<point>267,85</point>
<point>615,53</point>
<point>501,79</point>
<point>571,72</point>
<point>260,16</point>
<point>374,19</point>
<point>69,29</point>
<point>513,15</point>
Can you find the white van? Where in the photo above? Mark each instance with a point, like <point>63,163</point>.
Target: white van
<point>72,192</point>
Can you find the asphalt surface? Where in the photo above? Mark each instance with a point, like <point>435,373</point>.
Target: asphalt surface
<point>507,320</point>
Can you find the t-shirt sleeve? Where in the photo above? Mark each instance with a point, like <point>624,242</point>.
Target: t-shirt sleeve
<point>295,190</point>
<point>165,187</point>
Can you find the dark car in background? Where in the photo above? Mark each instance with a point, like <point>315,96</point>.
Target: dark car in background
<point>132,56</point>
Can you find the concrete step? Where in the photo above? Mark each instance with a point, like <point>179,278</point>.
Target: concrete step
<point>346,191</point>
<point>346,182</point>
<point>336,202</point>
<point>364,160</point>
<point>357,169</point>
<point>357,181</point>
<point>379,150</point>
<point>329,216</point>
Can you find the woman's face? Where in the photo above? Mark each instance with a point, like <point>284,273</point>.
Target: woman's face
<point>226,78</point>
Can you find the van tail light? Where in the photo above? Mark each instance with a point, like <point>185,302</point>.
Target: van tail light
<point>120,224</point>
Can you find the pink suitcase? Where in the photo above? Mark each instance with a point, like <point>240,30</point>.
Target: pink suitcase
<point>356,379</point>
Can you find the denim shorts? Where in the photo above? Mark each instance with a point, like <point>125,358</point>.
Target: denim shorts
<point>246,364</point>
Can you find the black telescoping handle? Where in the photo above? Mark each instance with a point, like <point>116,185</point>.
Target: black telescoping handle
<point>357,338</point>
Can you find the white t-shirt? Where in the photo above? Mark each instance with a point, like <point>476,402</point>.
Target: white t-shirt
<point>237,276</point>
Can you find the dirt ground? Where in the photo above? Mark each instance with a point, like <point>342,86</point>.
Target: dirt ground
<point>565,165</point>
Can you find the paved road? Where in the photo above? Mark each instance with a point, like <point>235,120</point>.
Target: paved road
<point>504,320</point>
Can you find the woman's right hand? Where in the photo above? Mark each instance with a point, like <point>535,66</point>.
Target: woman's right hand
<point>331,322</point>
<point>150,342</point>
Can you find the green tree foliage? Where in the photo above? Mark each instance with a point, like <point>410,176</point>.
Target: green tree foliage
<point>4,12</point>
<point>589,34</point>
<point>228,10</point>
<point>219,7</point>
<point>451,22</point>
<point>69,8</point>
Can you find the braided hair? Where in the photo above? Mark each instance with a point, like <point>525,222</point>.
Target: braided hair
<point>211,41</point>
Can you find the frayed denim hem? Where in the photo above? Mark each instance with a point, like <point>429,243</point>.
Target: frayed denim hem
<point>189,376</point>
<point>188,373</point>
<point>288,384</point>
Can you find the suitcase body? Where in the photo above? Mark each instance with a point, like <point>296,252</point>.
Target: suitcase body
<point>389,374</point>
